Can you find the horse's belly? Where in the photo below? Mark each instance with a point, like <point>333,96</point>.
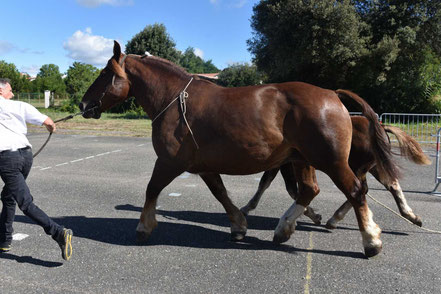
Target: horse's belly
<point>252,160</point>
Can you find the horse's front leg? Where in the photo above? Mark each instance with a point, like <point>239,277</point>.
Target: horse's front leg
<point>237,219</point>
<point>163,174</point>
<point>264,183</point>
<point>288,173</point>
<point>308,189</point>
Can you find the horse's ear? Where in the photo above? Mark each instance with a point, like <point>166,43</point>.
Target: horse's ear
<point>116,50</point>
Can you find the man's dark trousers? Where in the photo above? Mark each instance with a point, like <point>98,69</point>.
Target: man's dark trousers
<point>14,169</point>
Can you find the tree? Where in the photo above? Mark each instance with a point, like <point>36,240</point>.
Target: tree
<point>155,40</point>
<point>315,41</point>
<point>49,78</point>
<point>196,64</point>
<point>378,48</point>
<point>79,77</point>
<point>19,82</point>
<point>238,75</point>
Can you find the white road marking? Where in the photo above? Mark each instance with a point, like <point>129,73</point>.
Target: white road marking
<point>60,164</point>
<point>76,160</point>
<point>191,185</point>
<point>81,159</point>
<point>141,145</point>
<point>257,179</point>
<point>174,194</point>
<point>19,236</point>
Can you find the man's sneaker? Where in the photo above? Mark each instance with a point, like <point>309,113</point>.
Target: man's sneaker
<point>5,246</point>
<point>64,240</point>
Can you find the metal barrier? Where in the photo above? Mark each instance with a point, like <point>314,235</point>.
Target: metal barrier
<point>422,127</point>
<point>437,173</point>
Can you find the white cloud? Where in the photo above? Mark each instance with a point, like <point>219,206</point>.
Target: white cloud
<point>198,52</point>
<point>6,47</point>
<point>239,3</point>
<point>88,48</point>
<point>230,3</point>
<point>96,3</point>
<point>32,70</point>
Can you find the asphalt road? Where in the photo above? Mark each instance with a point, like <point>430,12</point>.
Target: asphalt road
<point>96,186</point>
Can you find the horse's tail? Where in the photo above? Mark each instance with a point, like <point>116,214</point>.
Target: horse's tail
<point>409,148</point>
<point>386,166</point>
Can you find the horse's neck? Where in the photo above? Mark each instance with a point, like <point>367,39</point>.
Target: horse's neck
<point>154,90</point>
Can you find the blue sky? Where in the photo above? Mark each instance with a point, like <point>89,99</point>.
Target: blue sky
<point>37,32</point>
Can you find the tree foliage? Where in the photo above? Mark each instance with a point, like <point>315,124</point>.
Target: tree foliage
<point>238,75</point>
<point>49,78</point>
<point>79,77</point>
<point>19,82</point>
<point>155,40</point>
<point>378,48</point>
<point>195,64</point>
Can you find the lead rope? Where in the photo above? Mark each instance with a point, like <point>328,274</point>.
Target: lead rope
<point>391,210</point>
<point>57,121</point>
<point>183,105</point>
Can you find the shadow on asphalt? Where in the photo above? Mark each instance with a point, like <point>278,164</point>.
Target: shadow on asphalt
<point>121,231</point>
<point>30,260</point>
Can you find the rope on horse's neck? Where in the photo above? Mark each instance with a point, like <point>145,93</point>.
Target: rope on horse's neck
<point>391,210</point>
<point>182,103</point>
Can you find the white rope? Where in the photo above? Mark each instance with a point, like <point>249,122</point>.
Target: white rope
<point>182,103</point>
<point>391,210</point>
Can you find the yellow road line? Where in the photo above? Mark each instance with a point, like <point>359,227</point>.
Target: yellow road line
<point>308,264</point>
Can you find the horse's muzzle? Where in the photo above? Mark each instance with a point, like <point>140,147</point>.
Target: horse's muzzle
<point>90,110</point>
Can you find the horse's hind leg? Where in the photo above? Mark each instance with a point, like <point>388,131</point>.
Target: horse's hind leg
<point>395,189</point>
<point>341,212</point>
<point>264,183</point>
<point>162,175</point>
<point>308,189</point>
<point>355,192</point>
<point>237,219</point>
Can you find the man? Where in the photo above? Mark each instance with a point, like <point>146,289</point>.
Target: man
<point>15,165</point>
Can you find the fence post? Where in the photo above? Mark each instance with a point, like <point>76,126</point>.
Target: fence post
<point>47,96</point>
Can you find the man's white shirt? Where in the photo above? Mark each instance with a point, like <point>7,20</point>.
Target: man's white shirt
<point>13,118</point>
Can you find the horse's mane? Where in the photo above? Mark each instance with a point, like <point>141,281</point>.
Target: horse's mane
<point>167,63</point>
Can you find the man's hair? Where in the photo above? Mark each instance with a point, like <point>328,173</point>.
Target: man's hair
<point>4,82</point>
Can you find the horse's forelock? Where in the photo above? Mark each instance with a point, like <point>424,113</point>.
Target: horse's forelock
<point>118,70</point>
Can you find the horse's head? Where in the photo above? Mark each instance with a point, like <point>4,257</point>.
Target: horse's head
<point>110,88</point>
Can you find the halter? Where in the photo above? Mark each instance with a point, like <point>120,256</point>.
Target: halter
<point>121,63</point>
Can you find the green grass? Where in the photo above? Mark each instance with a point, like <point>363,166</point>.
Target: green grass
<point>110,124</point>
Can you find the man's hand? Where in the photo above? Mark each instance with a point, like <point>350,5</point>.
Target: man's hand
<point>50,125</point>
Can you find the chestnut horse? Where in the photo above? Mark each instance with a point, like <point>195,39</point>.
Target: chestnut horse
<point>210,130</point>
<point>360,159</point>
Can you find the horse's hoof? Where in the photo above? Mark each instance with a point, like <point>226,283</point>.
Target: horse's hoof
<point>318,219</point>
<point>372,251</point>
<point>418,221</point>
<point>142,238</point>
<point>237,236</point>
<point>278,239</point>
<point>330,226</point>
